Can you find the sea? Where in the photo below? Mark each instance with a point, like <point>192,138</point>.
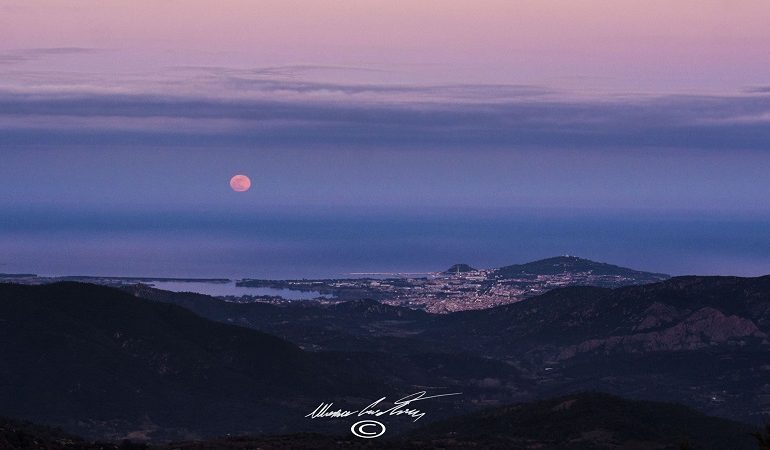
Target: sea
<point>340,245</point>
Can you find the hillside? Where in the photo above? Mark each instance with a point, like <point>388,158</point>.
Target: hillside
<point>360,325</point>
<point>591,421</point>
<point>683,313</point>
<point>103,363</point>
<point>573,265</point>
<point>702,341</point>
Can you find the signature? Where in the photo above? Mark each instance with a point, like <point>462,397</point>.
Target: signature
<point>401,407</point>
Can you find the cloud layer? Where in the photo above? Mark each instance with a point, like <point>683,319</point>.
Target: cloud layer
<point>261,110</point>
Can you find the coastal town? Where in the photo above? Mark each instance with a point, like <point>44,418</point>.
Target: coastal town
<point>462,287</point>
<point>459,288</point>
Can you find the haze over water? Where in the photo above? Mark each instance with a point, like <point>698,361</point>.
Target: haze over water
<point>281,245</point>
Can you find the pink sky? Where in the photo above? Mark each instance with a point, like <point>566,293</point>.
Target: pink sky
<point>619,45</point>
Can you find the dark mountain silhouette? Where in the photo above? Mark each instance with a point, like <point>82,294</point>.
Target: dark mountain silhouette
<point>580,421</point>
<point>573,264</point>
<point>16,434</point>
<point>360,325</point>
<point>102,363</point>
<point>591,421</point>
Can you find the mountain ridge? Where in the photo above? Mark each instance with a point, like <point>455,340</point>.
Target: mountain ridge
<point>566,264</point>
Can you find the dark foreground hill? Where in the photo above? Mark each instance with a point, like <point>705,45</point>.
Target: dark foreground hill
<point>592,421</point>
<point>574,422</point>
<point>102,363</point>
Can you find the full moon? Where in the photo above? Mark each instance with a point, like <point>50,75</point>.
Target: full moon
<point>240,183</point>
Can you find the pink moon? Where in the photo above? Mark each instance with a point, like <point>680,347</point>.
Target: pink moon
<point>240,183</point>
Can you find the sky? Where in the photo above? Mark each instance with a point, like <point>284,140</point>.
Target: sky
<point>634,132</point>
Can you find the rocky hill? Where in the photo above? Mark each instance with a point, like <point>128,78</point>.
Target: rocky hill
<point>575,265</point>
